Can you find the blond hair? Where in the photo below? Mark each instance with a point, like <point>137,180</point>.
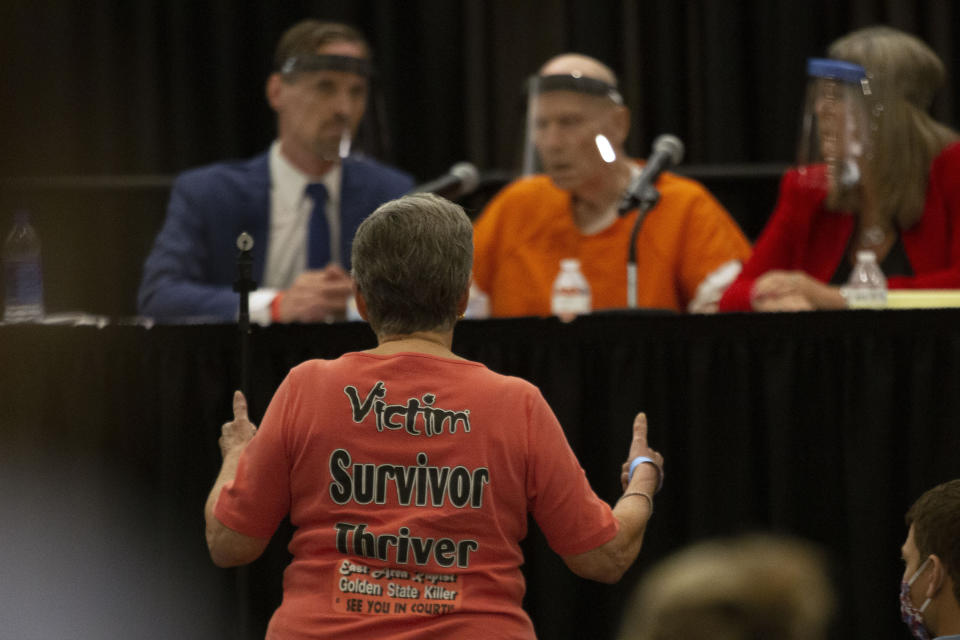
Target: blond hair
<point>741,588</point>
<point>904,75</point>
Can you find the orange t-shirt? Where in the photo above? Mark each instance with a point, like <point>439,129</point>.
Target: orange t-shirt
<point>528,228</point>
<point>409,479</point>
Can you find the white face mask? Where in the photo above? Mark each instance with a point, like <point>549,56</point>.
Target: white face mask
<point>910,615</point>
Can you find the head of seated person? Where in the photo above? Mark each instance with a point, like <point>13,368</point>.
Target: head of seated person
<point>742,588</point>
<point>573,100</point>
<point>319,89</point>
<point>902,138</point>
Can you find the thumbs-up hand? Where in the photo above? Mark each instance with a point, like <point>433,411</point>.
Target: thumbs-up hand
<point>239,431</point>
<point>639,448</point>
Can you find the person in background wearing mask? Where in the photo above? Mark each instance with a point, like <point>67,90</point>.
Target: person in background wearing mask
<point>302,200</point>
<point>930,590</point>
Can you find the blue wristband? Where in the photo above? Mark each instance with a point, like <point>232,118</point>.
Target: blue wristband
<point>644,459</point>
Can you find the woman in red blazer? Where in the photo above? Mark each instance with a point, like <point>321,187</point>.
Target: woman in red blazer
<point>905,207</point>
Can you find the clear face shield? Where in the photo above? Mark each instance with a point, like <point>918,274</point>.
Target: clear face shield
<point>568,130</point>
<point>333,96</point>
<point>835,130</point>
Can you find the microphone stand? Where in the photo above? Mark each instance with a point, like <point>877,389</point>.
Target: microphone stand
<point>644,199</point>
<point>243,285</point>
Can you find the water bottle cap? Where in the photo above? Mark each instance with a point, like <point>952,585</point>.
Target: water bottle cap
<point>866,256</point>
<point>570,263</point>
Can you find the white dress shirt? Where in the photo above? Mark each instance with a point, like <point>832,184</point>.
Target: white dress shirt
<point>290,209</point>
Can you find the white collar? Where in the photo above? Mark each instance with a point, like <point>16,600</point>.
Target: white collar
<point>289,182</point>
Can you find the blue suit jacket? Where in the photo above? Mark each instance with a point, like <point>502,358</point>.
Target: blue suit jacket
<point>192,267</point>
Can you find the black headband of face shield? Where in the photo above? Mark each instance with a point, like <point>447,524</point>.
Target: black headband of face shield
<point>327,62</point>
<point>578,84</point>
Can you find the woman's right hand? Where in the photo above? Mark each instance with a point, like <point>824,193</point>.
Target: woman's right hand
<point>793,291</point>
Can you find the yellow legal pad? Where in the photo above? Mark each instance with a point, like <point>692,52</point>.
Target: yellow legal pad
<point>923,298</point>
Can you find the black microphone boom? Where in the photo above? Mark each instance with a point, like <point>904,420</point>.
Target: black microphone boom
<point>642,195</point>
<point>667,153</point>
<point>463,178</point>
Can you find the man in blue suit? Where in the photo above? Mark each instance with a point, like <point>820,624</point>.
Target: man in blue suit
<point>302,200</point>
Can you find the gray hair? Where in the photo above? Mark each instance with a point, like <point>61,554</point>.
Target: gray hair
<point>411,261</point>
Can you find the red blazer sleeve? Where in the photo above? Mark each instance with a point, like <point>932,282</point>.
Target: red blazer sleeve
<point>779,243</point>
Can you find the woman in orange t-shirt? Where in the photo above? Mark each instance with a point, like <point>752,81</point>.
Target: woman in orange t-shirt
<point>408,472</point>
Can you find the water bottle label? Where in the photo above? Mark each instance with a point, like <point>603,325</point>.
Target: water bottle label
<point>576,303</point>
<point>865,298</point>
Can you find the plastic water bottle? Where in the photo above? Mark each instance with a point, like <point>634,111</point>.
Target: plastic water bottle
<point>867,286</point>
<point>23,279</point>
<point>571,292</point>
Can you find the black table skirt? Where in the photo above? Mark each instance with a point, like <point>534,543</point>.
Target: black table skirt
<point>823,425</point>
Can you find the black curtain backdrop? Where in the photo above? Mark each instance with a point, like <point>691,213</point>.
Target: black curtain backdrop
<point>823,425</point>
<point>108,87</point>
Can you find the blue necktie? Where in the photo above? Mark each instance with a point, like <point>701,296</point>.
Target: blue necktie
<point>318,242</point>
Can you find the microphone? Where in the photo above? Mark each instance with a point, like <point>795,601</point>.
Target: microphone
<point>667,153</point>
<point>463,178</point>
